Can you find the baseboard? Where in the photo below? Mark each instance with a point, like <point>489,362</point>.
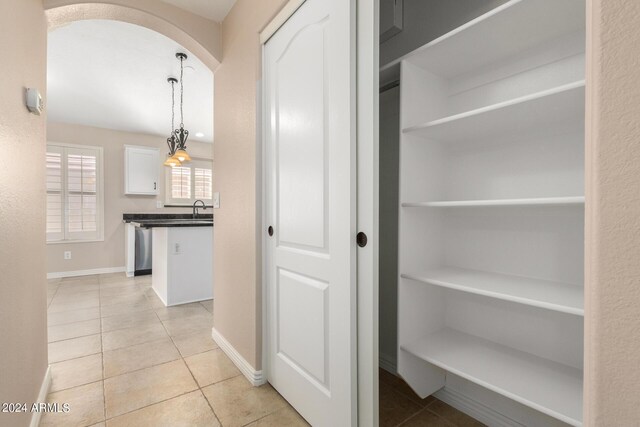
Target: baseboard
<point>475,409</point>
<point>388,363</point>
<point>42,397</point>
<point>76,273</point>
<point>256,378</point>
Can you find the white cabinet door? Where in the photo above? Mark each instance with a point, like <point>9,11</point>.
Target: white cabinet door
<point>310,201</point>
<point>141,166</point>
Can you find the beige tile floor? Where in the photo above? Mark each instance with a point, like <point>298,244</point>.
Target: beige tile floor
<point>120,358</point>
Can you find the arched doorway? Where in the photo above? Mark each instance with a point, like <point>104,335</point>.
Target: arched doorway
<point>203,37</point>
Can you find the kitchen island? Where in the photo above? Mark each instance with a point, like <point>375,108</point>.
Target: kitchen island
<point>182,256</point>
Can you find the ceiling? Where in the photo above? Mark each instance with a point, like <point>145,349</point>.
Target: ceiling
<point>215,10</point>
<point>113,75</point>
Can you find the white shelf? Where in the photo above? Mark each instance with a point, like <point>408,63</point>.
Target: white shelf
<point>484,40</point>
<point>540,201</point>
<point>557,105</point>
<point>547,386</point>
<point>561,297</point>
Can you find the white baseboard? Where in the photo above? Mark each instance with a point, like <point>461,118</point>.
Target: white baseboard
<point>256,378</point>
<point>475,409</point>
<point>60,274</point>
<point>388,363</point>
<point>42,397</point>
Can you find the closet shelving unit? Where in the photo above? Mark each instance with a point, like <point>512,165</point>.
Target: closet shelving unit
<point>492,208</point>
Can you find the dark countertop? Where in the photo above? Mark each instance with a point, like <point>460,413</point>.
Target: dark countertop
<point>168,220</point>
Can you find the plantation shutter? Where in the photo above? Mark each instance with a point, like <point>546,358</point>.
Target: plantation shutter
<point>181,183</point>
<point>203,183</point>
<point>188,183</point>
<point>82,193</point>
<point>74,199</point>
<point>55,194</point>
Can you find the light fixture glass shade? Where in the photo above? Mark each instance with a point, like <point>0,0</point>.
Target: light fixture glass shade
<point>172,161</point>
<point>182,156</point>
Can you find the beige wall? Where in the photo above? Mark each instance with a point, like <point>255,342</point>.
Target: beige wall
<point>612,312</point>
<point>237,259</point>
<point>23,296</point>
<point>110,252</point>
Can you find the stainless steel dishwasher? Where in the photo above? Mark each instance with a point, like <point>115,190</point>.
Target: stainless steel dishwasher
<point>143,251</point>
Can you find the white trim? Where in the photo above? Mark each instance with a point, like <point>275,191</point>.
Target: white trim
<point>285,13</point>
<point>367,84</point>
<point>107,270</point>
<point>42,397</point>
<point>475,409</point>
<point>256,378</point>
<point>261,129</point>
<point>64,242</point>
<point>388,363</point>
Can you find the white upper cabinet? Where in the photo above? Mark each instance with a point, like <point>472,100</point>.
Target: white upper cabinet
<point>141,170</point>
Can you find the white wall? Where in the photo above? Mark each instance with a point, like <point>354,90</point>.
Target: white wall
<point>110,252</point>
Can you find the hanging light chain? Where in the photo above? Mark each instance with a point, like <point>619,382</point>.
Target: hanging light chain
<point>173,104</point>
<point>171,141</point>
<point>181,90</point>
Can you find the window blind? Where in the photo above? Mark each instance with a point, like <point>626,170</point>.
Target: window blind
<point>203,183</point>
<point>82,194</point>
<point>181,183</point>
<point>74,202</point>
<point>55,194</point>
<point>188,183</point>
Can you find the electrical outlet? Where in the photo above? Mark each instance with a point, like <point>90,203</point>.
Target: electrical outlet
<point>67,254</point>
<point>176,249</point>
<point>159,204</point>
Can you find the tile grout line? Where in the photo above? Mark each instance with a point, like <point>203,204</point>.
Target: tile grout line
<point>181,357</point>
<point>104,388</point>
<point>187,365</point>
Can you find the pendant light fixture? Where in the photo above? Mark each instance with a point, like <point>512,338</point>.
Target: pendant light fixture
<point>181,134</point>
<point>171,141</point>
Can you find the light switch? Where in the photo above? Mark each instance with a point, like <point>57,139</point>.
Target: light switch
<point>216,200</point>
<point>67,254</point>
<point>159,204</point>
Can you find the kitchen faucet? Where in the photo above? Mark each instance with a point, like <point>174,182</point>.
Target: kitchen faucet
<point>195,207</point>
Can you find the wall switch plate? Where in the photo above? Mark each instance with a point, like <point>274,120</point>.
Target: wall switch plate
<point>216,200</point>
<point>159,204</point>
<point>67,254</point>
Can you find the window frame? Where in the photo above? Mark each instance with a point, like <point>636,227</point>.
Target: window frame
<point>73,237</point>
<point>200,163</point>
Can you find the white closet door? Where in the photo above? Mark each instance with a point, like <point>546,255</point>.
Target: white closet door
<point>310,200</point>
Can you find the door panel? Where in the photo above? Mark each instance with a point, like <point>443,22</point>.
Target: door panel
<point>302,189</point>
<point>310,201</point>
<point>303,345</point>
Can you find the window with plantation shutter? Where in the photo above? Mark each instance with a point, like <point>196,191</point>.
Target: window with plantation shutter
<point>190,182</point>
<point>74,193</point>
<point>203,183</point>
<point>181,183</point>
